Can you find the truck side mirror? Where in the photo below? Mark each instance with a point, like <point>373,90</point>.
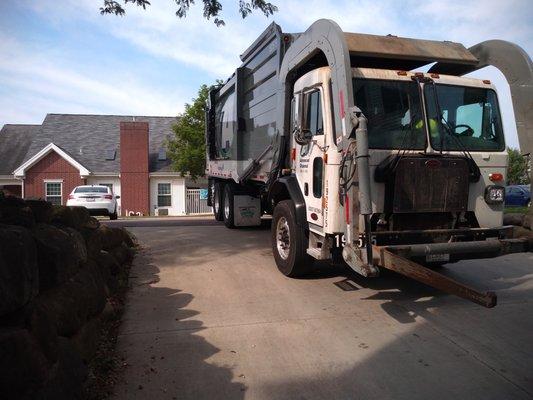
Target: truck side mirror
<point>302,136</point>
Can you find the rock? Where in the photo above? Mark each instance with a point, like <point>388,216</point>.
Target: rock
<point>23,367</point>
<point>62,215</point>
<point>71,373</point>
<point>71,304</point>
<point>93,280</point>
<point>92,223</point>
<point>81,216</point>
<point>78,242</point>
<point>110,268</point>
<point>93,242</point>
<point>107,261</point>
<point>19,274</point>
<point>86,340</point>
<point>111,237</point>
<point>58,255</point>
<point>44,331</point>
<point>15,215</point>
<point>73,217</point>
<point>11,201</point>
<point>516,219</point>
<point>129,238</point>
<point>123,254</point>
<point>521,232</point>
<point>63,306</point>
<point>42,210</point>
<point>528,220</point>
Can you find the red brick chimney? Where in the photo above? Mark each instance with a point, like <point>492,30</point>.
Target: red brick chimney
<point>134,180</point>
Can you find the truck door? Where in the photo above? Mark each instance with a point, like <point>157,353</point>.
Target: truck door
<point>309,158</point>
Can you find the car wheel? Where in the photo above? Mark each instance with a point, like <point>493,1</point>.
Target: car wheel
<point>289,242</point>
<point>218,201</point>
<point>228,207</point>
<point>113,216</point>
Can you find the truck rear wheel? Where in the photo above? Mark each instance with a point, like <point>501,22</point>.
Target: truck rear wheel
<point>289,242</point>
<point>218,201</point>
<point>228,207</point>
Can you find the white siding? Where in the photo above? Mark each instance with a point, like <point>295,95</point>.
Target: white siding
<point>95,180</point>
<point>177,190</point>
<point>10,181</point>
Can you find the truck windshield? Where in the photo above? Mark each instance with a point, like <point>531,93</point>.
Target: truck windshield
<point>393,110</point>
<point>469,118</point>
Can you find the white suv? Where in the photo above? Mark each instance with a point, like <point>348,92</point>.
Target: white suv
<point>99,200</point>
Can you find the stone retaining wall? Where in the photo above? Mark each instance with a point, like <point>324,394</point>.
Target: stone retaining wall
<point>58,269</point>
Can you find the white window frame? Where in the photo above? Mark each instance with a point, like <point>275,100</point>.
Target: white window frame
<point>54,181</point>
<point>167,195</point>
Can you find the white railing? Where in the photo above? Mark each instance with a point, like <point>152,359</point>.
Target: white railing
<point>196,202</point>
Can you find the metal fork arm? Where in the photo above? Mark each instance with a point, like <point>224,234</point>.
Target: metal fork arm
<point>401,265</point>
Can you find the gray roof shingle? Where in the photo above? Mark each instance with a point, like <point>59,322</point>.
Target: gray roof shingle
<point>88,137</point>
<point>15,141</point>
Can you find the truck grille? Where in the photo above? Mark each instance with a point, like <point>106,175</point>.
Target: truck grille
<point>424,184</point>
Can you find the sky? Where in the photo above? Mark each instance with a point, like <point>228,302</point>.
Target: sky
<point>62,56</point>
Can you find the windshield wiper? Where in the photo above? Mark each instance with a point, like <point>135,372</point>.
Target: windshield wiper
<point>475,173</point>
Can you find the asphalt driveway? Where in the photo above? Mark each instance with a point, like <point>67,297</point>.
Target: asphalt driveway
<point>210,317</point>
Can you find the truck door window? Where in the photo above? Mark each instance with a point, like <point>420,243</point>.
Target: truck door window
<point>318,168</point>
<point>313,115</point>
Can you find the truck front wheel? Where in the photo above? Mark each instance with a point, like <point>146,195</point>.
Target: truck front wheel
<point>218,201</point>
<point>289,242</point>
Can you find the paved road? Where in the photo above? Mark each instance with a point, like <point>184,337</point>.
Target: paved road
<point>205,321</point>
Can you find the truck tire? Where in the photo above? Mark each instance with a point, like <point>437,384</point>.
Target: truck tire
<point>228,207</point>
<point>289,242</point>
<point>218,200</point>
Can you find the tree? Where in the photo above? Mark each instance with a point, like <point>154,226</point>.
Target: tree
<point>518,169</point>
<point>187,148</point>
<point>212,8</point>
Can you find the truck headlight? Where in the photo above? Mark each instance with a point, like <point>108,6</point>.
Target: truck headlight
<point>494,194</point>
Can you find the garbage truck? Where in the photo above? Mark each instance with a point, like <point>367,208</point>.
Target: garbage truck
<point>362,158</point>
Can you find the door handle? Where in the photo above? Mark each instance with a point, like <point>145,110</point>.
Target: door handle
<point>306,189</point>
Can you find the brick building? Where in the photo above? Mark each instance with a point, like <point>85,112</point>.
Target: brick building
<point>124,152</point>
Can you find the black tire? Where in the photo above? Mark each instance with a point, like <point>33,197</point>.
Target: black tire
<point>228,207</point>
<point>294,261</point>
<point>218,201</point>
<point>113,216</point>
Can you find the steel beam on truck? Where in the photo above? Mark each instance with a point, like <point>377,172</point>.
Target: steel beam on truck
<point>397,263</point>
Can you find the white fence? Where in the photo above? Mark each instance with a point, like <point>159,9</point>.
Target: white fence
<point>196,202</point>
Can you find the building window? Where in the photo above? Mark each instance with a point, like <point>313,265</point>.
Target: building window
<point>164,198</point>
<point>110,154</point>
<point>109,185</point>
<point>53,192</point>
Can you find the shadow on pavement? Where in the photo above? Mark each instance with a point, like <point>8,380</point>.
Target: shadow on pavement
<point>163,362</point>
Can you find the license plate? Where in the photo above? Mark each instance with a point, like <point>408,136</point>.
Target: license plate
<point>89,199</point>
<point>437,257</point>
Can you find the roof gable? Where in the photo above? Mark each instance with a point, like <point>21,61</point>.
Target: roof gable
<point>51,147</point>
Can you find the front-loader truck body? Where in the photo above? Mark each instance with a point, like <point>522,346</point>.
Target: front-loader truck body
<point>361,159</point>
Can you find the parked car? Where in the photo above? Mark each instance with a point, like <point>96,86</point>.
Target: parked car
<point>99,200</point>
<point>517,196</point>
